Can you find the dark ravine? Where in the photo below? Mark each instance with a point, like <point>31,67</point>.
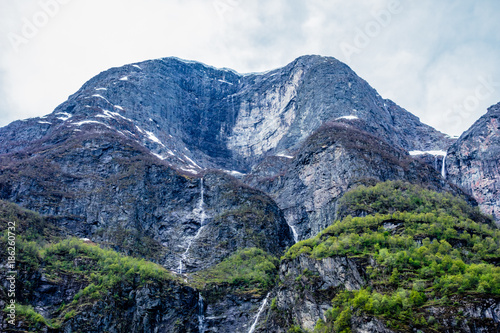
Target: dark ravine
<point>183,164</point>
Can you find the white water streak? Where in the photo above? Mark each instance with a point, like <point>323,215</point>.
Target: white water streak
<point>443,167</point>
<point>261,309</point>
<point>201,315</point>
<point>199,211</point>
<point>295,235</point>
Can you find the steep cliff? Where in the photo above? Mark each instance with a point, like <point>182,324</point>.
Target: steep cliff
<point>102,186</point>
<point>101,160</point>
<point>473,162</point>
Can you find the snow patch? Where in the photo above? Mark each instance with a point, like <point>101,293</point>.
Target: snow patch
<point>235,173</point>
<point>44,122</point>
<point>193,163</point>
<point>153,138</point>
<point>348,118</point>
<point>118,107</point>
<point>84,122</point>
<point>137,66</point>
<point>158,155</point>
<point>190,170</point>
<point>429,152</point>
<point>114,115</point>
<point>224,81</point>
<point>99,96</point>
<point>101,89</point>
<point>283,155</point>
<point>125,78</point>
<point>65,116</point>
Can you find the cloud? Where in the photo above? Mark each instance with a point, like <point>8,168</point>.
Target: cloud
<point>428,58</point>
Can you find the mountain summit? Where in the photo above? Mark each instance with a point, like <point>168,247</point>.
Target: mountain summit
<point>194,116</point>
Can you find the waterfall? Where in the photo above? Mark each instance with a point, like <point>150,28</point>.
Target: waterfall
<point>295,235</point>
<point>201,315</point>
<point>200,213</point>
<point>435,162</point>
<point>261,309</point>
<point>443,167</point>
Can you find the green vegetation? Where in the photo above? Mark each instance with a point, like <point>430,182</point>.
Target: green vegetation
<point>426,250</point>
<point>33,319</point>
<point>398,196</point>
<point>100,272</point>
<point>247,270</point>
<point>27,223</point>
<point>107,268</point>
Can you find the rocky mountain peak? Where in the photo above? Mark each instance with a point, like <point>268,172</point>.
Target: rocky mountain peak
<point>195,116</point>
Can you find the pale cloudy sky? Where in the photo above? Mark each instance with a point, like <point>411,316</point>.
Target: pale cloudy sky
<point>437,59</point>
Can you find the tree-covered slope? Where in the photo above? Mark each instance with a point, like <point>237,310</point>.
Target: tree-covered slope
<point>427,261</point>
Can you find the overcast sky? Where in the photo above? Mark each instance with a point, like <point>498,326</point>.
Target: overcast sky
<point>437,59</point>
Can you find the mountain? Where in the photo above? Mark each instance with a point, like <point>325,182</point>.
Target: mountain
<point>192,117</point>
<point>171,189</point>
<point>473,162</point>
<point>187,111</point>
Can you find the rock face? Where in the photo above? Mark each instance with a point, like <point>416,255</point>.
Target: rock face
<point>101,186</point>
<point>308,286</point>
<point>473,162</point>
<point>193,115</point>
<point>335,158</point>
<point>153,308</point>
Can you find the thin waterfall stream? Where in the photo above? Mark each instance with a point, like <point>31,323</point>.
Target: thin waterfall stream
<point>200,213</point>
<point>443,167</point>
<point>201,314</point>
<point>261,309</point>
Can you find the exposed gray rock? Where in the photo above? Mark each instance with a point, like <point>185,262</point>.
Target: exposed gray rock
<point>368,325</point>
<point>471,316</point>
<point>307,287</point>
<point>101,186</point>
<point>335,158</point>
<point>473,162</point>
<point>233,119</point>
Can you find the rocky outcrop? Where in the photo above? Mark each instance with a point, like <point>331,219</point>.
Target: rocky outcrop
<point>307,287</point>
<point>368,325</point>
<point>154,308</point>
<point>471,316</point>
<point>473,162</point>
<point>335,158</point>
